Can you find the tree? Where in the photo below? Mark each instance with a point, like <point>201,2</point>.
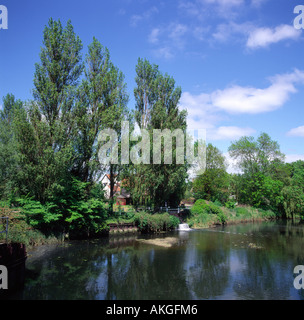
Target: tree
<point>293,201</point>
<point>58,73</point>
<point>293,193</point>
<point>44,132</point>
<point>213,183</point>
<point>8,154</point>
<point>255,156</point>
<point>156,107</point>
<point>264,172</point>
<point>102,105</point>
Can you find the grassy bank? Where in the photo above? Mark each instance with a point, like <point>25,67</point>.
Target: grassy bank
<point>20,231</point>
<point>205,214</point>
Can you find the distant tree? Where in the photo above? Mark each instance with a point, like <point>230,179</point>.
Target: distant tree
<point>264,172</point>
<point>293,201</point>
<point>255,155</point>
<point>213,183</point>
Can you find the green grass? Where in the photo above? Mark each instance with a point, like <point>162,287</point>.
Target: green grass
<point>207,214</point>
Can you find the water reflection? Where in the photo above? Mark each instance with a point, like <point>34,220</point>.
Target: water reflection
<point>250,261</point>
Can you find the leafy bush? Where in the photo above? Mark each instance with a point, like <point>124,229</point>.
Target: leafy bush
<point>199,207</point>
<point>221,217</point>
<point>217,203</point>
<point>214,209</point>
<point>36,214</point>
<point>74,212</point>
<point>148,223</point>
<point>230,204</point>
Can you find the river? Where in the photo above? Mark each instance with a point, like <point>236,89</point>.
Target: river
<point>245,261</point>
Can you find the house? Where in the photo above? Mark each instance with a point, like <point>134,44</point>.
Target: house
<point>122,196</point>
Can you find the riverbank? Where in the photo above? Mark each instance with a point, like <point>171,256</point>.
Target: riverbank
<point>202,215</point>
<point>206,214</point>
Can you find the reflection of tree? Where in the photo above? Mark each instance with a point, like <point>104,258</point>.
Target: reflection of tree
<point>156,273</point>
<point>64,273</point>
<point>268,273</point>
<point>263,278</point>
<point>208,267</point>
<point>201,267</point>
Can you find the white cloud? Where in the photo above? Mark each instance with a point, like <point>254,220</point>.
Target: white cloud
<point>153,37</point>
<point>168,39</point>
<point>229,133</point>
<point>225,31</point>
<point>201,114</point>
<point>164,52</point>
<point>293,157</point>
<point>136,18</point>
<point>232,164</point>
<point>251,100</point>
<point>206,110</point>
<point>226,3</point>
<point>263,37</point>
<point>296,132</point>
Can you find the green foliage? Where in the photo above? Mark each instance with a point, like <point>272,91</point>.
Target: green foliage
<point>201,210</point>
<point>212,185</point>
<point>255,155</point>
<point>230,204</point>
<point>200,206</point>
<point>148,223</point>
<point>75,214</point>
<point>157,99</point>
<point>240,211</point>
<point>8,145</point>
<point>293,201</point>
<point>221,217</point>
<point>36,214</point>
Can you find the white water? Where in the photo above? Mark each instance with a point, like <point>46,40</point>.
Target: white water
<point>183,227</point>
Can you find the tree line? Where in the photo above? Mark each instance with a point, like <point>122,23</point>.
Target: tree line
<point>49,145</point>
<point>265,181</point>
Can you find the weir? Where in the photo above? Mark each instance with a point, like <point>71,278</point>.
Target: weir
<point>184,227</point>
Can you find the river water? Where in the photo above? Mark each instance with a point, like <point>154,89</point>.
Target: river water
<point>245,261</point>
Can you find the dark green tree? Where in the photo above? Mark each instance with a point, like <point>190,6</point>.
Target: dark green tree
<point>102,104</point>
<point>8,152</point>
<point>213,183</point>
<point>156,107</point>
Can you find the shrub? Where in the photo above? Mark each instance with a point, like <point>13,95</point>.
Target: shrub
<point>217,203</point>
<point>230,204</point>
<point>221,217</point>
<point>199,207</point>
<point>214,209</point>
<point>148,223</point>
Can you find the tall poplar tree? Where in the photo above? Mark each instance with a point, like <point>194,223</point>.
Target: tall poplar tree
<point>45,132</point>
<point>157,107</point>
<point>102,104</point>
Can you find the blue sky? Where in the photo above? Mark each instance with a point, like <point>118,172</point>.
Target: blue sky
<point>239,62</point>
